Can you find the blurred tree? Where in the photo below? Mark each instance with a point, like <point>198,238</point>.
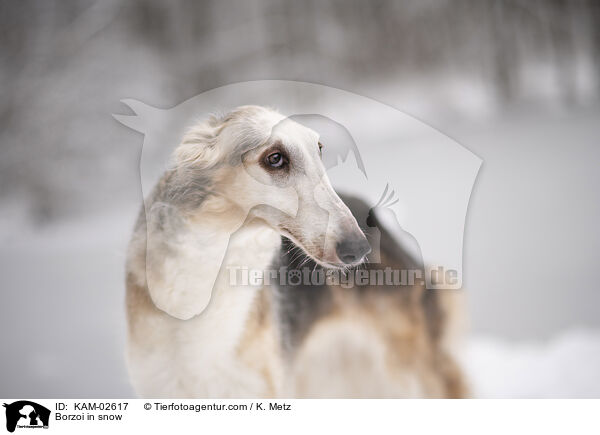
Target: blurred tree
<point>66,64</point>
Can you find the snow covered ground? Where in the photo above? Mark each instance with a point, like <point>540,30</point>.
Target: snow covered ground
<point>566,366</point>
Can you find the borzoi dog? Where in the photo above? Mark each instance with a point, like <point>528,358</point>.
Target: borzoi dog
<point>248,191</point>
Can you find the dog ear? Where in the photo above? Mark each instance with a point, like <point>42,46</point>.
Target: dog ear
<point>198,147</point>
<point>182,264</point>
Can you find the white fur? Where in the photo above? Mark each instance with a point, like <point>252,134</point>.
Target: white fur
<point>197,357</point>
<point>347,357</point>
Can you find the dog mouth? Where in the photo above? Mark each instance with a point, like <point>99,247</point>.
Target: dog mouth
<point>326,264</point>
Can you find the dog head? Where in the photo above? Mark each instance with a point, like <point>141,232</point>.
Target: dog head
<point>270,167</point>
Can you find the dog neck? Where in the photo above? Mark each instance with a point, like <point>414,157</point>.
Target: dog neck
<point>233,246</point>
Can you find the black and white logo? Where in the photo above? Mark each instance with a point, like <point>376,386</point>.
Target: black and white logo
<point>26,414</point>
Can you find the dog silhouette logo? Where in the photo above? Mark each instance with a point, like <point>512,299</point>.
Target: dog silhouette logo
<point>26,414</point>
<point>416,180</point>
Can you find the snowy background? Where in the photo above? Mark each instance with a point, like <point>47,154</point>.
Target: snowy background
<point>516,82</point>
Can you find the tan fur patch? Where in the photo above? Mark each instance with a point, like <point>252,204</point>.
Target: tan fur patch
<point>259,348</point>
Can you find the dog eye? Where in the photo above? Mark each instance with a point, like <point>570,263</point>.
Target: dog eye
<point>275,160</point>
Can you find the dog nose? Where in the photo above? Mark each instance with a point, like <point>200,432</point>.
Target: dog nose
<point>352,249</point>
